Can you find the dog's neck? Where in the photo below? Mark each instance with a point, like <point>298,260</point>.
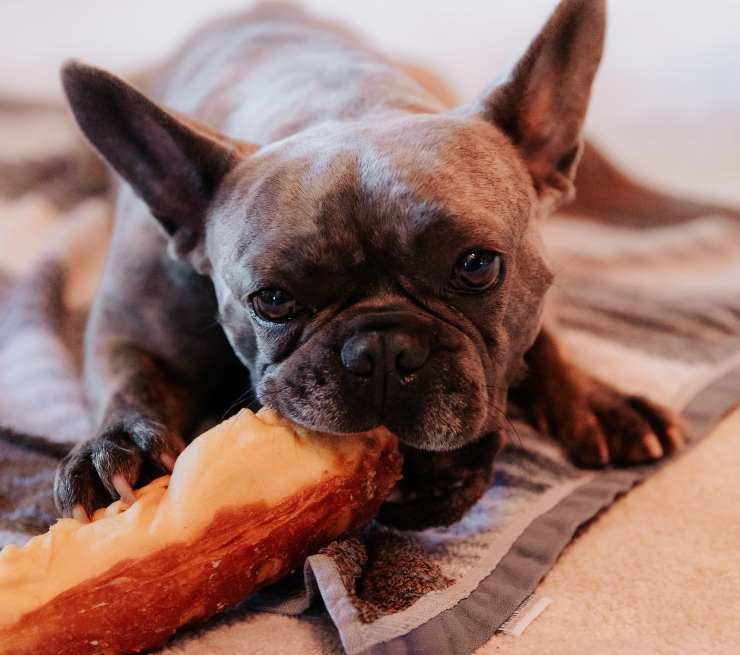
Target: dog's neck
<point>307,73</point>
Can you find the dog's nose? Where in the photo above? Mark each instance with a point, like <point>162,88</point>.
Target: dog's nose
<point>378,352</point>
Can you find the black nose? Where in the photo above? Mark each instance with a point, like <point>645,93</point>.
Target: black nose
<point>378,352</point>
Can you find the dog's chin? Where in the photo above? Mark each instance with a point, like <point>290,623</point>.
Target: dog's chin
<point>436,436</point>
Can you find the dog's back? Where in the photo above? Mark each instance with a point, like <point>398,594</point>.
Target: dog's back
<point>263,75</point>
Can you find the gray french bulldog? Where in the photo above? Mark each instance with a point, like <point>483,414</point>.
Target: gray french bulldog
<point>306,224</point>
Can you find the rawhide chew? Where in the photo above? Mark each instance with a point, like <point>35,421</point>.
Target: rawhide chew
<point>247,502</point>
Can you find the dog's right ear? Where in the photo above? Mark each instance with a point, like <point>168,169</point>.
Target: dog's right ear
<point>174,164</point>
<point>541,105</point>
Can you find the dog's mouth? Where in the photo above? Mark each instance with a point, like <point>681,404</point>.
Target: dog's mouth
<point>437,401</point>
<point>437,489</point>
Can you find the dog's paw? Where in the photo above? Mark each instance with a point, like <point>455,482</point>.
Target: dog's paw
<point>600,425</point>
<point>107,466</point>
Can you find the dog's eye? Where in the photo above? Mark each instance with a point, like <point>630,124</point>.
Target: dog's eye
<point>274,305</point>
<point>476,271</point>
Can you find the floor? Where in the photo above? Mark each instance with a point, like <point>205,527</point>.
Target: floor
<point>657,574</point>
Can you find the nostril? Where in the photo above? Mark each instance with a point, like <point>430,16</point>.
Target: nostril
<point>370,354</point>
<point>412,354</point>
<point>362,366</point>
<point>357,355</point>
<point>410,361</point>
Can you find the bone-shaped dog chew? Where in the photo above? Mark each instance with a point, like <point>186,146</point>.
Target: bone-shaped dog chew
<point>247,502</point>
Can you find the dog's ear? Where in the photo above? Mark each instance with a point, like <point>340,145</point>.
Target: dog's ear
<point>173,163</point>
<point>542,104</point>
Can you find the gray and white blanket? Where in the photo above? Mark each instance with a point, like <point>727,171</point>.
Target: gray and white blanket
<point>657,312</point>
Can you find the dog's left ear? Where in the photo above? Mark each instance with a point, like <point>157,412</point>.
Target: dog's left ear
<point>542,104</point>
<point>174,163</point>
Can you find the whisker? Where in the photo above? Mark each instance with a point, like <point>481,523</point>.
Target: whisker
<point>511,425</point>
<point>565,292</point>
<point>490,387</point>
<point>240,399</point>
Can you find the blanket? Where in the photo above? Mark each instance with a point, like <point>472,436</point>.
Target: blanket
<point>656,312</point>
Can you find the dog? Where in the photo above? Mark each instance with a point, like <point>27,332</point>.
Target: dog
<point>303,222</point>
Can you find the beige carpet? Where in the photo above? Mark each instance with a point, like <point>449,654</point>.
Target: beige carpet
<point>658,573</point>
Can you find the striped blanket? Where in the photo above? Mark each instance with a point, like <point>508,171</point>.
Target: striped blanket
<point>657,312</point>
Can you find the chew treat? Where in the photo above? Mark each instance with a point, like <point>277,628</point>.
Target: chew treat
<point>246,503</point>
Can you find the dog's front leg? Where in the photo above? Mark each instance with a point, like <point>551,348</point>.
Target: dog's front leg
<point>143,413</point>
<point>596,423</point>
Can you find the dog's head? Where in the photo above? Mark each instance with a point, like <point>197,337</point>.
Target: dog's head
<point>385,271</point>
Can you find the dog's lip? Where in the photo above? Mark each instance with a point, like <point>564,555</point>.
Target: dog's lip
<point>318,429</point>
<point>333,433</point>
<point>378,428</point>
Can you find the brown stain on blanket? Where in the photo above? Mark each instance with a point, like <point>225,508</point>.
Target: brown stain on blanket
<point>386,574</point>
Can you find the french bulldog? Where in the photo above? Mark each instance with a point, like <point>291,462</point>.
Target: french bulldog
<point>305,226</point>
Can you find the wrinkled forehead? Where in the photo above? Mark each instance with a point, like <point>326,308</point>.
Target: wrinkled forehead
<point>387,188</point>
<point>449,174</point>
